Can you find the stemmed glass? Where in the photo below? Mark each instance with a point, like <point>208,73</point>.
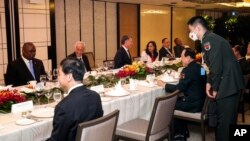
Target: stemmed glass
<point>145,59</point>
<point>169,71</point>
<point>38,95</point>
<point>48,95</point>
<point>43,79</point>
<point>55,73</point>
<point>50,75</point>
<point>57,96</point>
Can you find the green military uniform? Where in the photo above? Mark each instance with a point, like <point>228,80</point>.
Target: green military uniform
<point>192,83</point>
<point>226,78</point>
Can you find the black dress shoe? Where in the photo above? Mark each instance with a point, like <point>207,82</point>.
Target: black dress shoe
<point>180,137</point>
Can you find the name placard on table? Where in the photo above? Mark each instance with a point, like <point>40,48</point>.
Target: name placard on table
<point>22,107</point>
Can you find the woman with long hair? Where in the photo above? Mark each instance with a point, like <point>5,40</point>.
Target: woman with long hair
<point>150,54</point>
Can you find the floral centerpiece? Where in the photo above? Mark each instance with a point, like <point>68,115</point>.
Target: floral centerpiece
<point>137,70</point>
<point>9,97</point>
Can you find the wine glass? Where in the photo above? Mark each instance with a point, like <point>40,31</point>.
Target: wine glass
<point>55,73</point>
<point>43,79</point>
<point>48,95</point>
<point>50,75</point>
<point>38,95</point>
<point>144,59</point>
<point>169,71</point>
<point>57,96</point>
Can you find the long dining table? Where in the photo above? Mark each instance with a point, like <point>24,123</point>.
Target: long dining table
<point>137,104</point>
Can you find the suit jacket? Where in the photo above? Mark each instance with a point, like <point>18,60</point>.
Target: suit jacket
<point>225,75</point>
<point>164,53</point>
<point>85,60</point>
<point>245,66</point>
<point>122,58</point>
<point>79,106</point>
<point>18,73</point>
<point>193,84</point>
<point>177,50</point>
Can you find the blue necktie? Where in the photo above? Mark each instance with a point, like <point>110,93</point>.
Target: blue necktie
<point>31,69</point>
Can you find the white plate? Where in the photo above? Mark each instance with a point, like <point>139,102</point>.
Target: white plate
<point>25,121</point>
<point>105,99</point>
<point>1,127</point>
<point>169,81</point>
<point>47,112</point>
<point>117,93</point>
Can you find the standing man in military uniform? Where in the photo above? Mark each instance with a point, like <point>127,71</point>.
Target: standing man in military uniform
<point>192,83</point>
<point>225,79</point>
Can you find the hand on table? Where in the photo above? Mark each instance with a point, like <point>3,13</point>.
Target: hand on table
<point>161,83</point>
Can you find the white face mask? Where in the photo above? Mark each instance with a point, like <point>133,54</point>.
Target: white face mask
<point>193,36</point>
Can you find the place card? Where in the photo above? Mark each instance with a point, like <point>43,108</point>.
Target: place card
<point>98,88</point>
<point>22,107</point>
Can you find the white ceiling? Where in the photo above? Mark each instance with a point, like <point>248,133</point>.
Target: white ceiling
<point>185,3</point>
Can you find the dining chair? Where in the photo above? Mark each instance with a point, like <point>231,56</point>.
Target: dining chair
<point>91,58</point>
<point>101,129</point>
<point>200,117</point>
<point>242,98</point>
<point>157,128</point>
<point>109,63</point>
<point>136,58</point>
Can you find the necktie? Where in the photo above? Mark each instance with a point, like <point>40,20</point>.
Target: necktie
<point>84,67</point>
<point>31,69</point>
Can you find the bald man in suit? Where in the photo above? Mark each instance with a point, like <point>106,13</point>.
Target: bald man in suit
<point>26,68</point>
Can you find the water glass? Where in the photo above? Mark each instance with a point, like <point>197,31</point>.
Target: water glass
<point>57,96</point>
<point>43,79</point>
<point>48,95</point>
<point>50,75</point>
<point>55,73</point>
<point>38,96</point>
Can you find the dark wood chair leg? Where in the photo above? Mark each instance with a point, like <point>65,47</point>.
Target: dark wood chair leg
<point>203,131</point>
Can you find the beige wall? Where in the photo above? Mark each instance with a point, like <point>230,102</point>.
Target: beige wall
<point>3,43</point>
<point>98,28</point>
<point>154,26</point>
<point>180,28</point>
<point>34,22</point>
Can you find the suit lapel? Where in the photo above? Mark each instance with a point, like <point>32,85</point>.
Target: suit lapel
<point>26,70</point>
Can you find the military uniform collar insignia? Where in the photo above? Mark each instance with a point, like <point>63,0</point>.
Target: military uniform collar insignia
<point>207,46</point>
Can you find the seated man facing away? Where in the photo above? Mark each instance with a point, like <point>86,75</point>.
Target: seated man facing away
<point>79,106</point>
<point>192,83</point>
<point>26,68</point>
<point>240,53</point>
<point>122,56</point>
<point>79,54</point>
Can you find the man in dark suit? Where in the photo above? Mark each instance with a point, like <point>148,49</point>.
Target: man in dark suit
<point>192,83</point>
<point>122,56</point>
<point>165,50</point>
<point>178,47</point>
<point>240,53</point>
<point>225,79</point>
<point>26,68</point>
<point>79,106</point>
<point>79,54</point>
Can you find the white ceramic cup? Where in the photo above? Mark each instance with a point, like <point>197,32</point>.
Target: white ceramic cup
<point>33,83</point>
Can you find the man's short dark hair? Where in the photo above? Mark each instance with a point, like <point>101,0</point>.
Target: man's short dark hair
<point>198,19</point>
<point>162,41</point>
<point>189,52</point>
<point>73,66</point>
<point>124,39</point>
<point>241,49</point>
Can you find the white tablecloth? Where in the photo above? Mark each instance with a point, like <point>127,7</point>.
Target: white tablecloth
<point>137,104</point>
